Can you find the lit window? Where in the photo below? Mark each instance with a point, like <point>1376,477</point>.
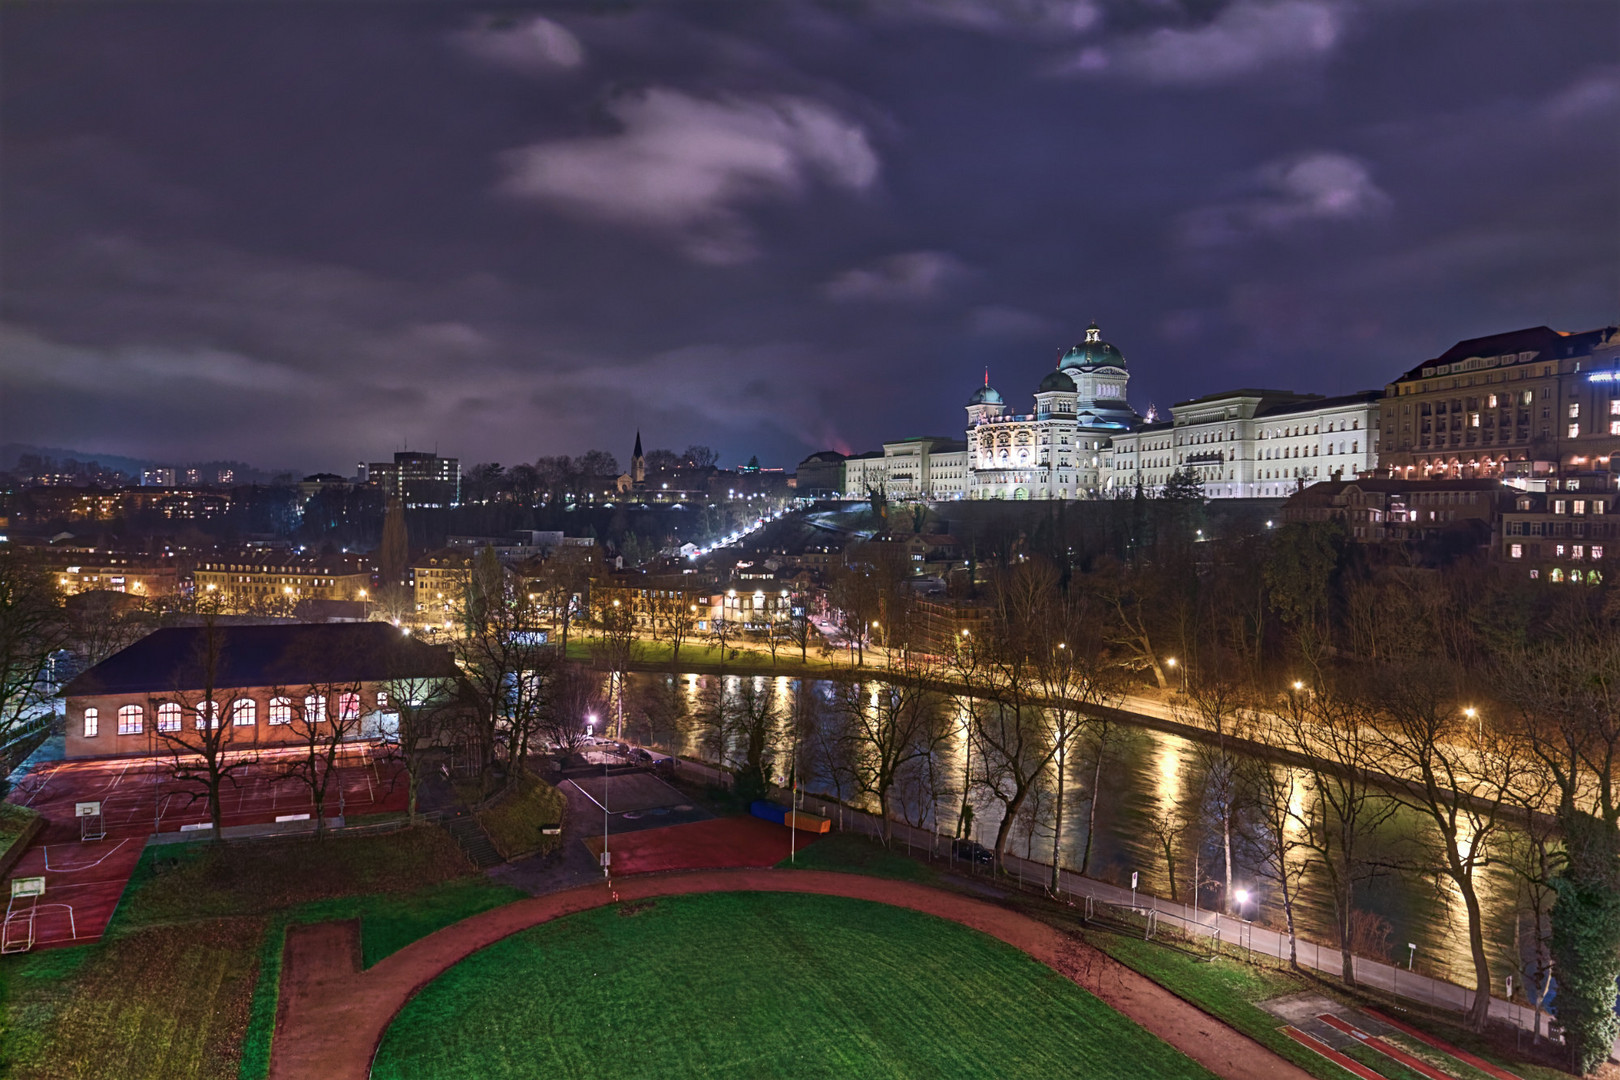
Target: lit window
<point>1534,574</point>
<point>1574,431</point>
<point>1578,551</point>
<point>1614,425</point>
<point>349,706</point>
<point>168,718</point>
<point>208,716</point>
<point>1614,407</point>
<point>382,699</point>
<point>1579,506</point>
<point>1558,549</point>
<point>315,708</point>
<point>92,723</point>
<point>1557,575</point>
<point>1518,551</point>
<point>1574,410</point>
<point>244,713</point>
<point>1558,506</point>
<point>281,709</point>
<point>131,720</point>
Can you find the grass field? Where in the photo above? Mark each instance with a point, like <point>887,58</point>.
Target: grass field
<point>761,985</point>
<point>185,984</point>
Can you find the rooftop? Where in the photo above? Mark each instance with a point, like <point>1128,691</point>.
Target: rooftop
<point>289,654</point>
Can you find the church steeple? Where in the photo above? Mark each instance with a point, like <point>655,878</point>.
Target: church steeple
<point>638,463</point>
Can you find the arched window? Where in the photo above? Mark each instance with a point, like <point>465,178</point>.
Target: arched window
<point>131,720</point>
<point>92,723</point>
<point>281,709</point>
<point>168,717</point>
<point>245,713</point>
<point>315,708</point>
<point>349,705</point>
<point>208,716</point>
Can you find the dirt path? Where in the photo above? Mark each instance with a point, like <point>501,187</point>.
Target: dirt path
<point>332,1017</point>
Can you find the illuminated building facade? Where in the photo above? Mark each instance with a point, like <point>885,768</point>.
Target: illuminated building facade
<point>1521,407</point>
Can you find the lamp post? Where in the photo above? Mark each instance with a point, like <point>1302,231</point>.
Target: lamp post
<point>1473,714</point>
<point>1242,899</point>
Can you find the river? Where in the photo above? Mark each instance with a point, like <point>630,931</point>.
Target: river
<point>1146,773</point>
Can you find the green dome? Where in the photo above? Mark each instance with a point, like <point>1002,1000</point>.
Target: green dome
<point>985,395</point>
<point>1092,352</point>
<point>1057,380</point>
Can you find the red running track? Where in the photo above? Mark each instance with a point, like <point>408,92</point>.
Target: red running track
<point>85,879</point>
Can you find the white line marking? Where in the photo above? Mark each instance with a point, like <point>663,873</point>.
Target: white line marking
<point>82,866</point>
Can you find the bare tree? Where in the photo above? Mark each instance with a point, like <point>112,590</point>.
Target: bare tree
<point>1566,694</point>
<point>320,719</point>
<point>1167,825</point>
<point>424,705</point>
<point>889,724</point>
<point>31,629</point>
<point>1461,775</point>
<point>205,753</point>
<point>1342,809</point>
<point>675,620</point>
<point>1218,706</point>
<point>1285,858</point>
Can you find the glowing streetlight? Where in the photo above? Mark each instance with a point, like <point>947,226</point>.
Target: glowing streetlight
<point>1473,714</point>
<point>1242,896</point>
<point>1298,686</point>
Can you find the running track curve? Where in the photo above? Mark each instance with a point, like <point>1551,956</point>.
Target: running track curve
<point>331,1016</point>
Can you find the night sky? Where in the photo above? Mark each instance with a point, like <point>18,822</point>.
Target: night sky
<point>309,234</point>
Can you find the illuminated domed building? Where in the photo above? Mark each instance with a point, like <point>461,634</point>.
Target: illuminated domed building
<point>1053,452</point>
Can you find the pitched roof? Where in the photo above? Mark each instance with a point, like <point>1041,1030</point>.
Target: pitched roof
<point>292,654</point>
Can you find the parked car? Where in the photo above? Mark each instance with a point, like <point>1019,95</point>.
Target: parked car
<point>970,851</point>
<point>640,755</point>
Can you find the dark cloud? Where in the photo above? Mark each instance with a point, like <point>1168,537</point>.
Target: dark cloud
<point>307,235</point>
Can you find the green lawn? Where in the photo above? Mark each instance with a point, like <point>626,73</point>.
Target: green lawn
<point>761,985</point>
<point>514,822</point>
<point>13,820</point>
<point>185,984</point>
<point>171,1001</point>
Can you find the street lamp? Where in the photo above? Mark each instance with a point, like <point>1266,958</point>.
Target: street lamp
<point>1242,899</point>
<point>1473,714</point>
<point>1298,686</point>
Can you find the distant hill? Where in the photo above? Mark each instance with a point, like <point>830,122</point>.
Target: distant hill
<point>10,453</point>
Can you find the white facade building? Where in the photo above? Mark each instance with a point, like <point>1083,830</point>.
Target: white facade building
<point>921,468</point>
<point>1054,452</point>
<point>1247,444</point>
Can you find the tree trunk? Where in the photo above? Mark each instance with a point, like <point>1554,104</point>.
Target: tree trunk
<point>1479,1011</point>
<point>1226,854</point>
<point>1091,814</point>
<point>1170,867</point>
<point>1288,917</point>
<point>1057,827</point>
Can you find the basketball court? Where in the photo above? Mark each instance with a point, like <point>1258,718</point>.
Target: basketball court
<point>632,793</point>
<point>99,815</point>
<point>719,843</point>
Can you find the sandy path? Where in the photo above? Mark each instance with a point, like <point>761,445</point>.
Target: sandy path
<point>332,1017</point>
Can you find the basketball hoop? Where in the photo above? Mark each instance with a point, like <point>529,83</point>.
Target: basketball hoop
<point>91,824</point>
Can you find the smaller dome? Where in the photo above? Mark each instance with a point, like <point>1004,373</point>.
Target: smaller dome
<point>985,395</point>
<point>1057,380</point>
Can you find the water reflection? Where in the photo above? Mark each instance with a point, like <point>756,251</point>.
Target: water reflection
<point>1114,818</point>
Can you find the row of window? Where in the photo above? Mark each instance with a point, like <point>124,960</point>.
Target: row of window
<point>244,713</point>
<point>1560,551</point>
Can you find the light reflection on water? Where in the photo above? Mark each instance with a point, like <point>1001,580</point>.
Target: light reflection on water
<point>1144,773</point>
